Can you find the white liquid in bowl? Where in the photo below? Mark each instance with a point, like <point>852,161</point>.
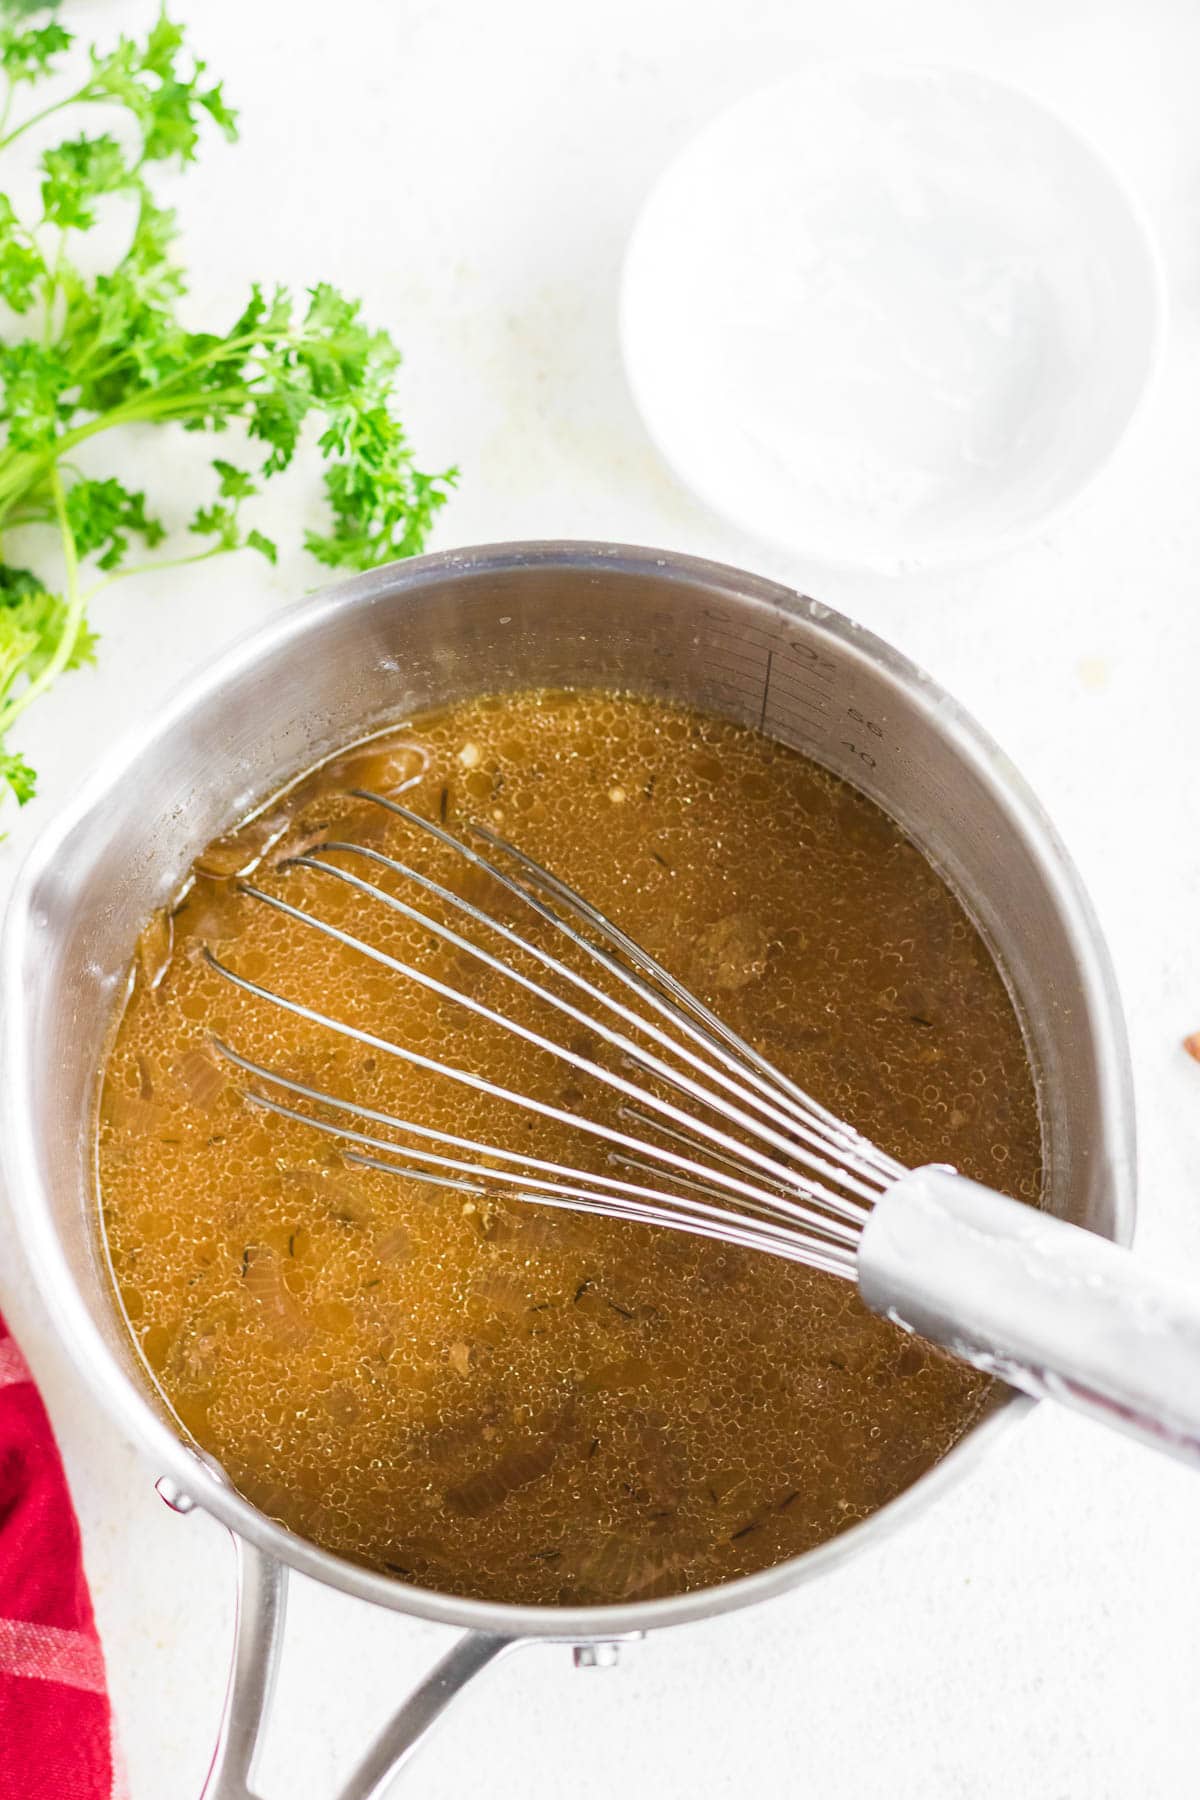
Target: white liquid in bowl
<point>890,317</point>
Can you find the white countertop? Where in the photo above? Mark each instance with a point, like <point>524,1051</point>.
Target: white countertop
<point>472,169</point>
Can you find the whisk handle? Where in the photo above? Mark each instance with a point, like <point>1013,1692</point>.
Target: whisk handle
<point>1050,1308</point>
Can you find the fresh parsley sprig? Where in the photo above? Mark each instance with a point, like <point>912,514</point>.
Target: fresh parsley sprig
<point>88,354</point>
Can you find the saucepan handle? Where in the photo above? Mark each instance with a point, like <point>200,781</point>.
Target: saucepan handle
<point>1052,1309</point>
<point>258,1640</point>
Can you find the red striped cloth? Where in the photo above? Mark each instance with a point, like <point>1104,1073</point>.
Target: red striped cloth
<point>55,1722</point>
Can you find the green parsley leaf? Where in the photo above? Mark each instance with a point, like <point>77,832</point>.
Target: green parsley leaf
<point>98,353</point>
<point>235,483</point>
<point>78,173</point>
<point>256,541</point>
<point>27,54</point>
<point>101,514</point>
<point>18,776</point>
<point>219,522</point>
<point>22,265</point>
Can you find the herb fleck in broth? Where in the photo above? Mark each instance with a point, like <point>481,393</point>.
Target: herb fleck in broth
<point>512,1403</point>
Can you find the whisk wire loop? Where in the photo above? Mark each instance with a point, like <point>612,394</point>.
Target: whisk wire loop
<point>788,1128</point>
<point>585,1065</point>
<point>747,1157</point>
<point>649,980</point>
<point>682,1003</point>
<point>741,1190</point>
<point>619,1188</point>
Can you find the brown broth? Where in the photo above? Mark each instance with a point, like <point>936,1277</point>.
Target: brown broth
<point>499,1400</point>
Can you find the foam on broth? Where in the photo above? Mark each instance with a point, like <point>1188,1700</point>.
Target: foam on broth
<point>498,1400</point>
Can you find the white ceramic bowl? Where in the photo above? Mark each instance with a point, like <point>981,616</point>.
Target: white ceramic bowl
<point>889,317</point>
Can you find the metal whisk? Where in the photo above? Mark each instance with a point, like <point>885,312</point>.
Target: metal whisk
<point>713,1140</point>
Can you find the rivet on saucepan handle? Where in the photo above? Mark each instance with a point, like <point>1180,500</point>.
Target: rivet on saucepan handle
<point>173,1495</point>
<point>597,1656</point>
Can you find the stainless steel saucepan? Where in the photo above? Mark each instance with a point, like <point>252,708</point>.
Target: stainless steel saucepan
<point>417,635</point>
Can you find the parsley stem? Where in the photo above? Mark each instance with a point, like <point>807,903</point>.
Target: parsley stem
<point>227,348</point>
<point>157,403</point>
<point>36,118</point>
<point>72,620</point>
<point>156,568</point>
<point>53,278</point>
<point>20,470</point>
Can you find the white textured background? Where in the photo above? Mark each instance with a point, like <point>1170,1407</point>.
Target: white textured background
<point>472,169</point>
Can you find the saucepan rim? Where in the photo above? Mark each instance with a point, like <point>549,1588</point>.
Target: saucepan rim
<point>124,1399</point>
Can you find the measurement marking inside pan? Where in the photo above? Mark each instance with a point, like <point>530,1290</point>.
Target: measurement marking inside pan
<point>797,698</point>
<point>747,665</point>
<point>781,714</point>
<point>735,643</point>
<point>740,645</point>
<point>727,671</point>
<point>730,659</point>
<point>781,692</point>
<point>736,682</point>
<point>801,677</point>
<point>762,717</point>
<point>795,728</point>
<point>813,663</point>
<point>760,637</point>
<point>800,691</point>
